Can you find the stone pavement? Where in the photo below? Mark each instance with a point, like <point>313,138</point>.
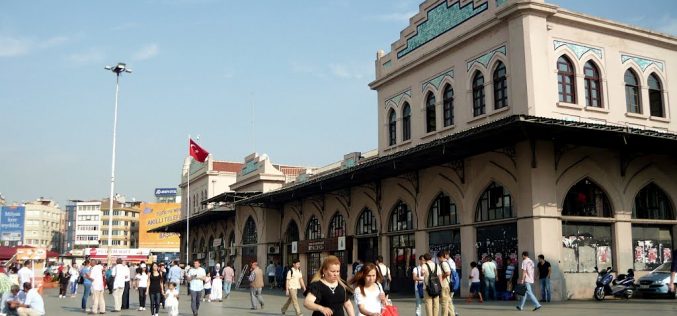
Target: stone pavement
<point>239,304</point>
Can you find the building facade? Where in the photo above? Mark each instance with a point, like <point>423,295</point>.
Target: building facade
<point>125,224</point>
<point>43,221</point>
<point>87,225</point>
<point>503,126</point>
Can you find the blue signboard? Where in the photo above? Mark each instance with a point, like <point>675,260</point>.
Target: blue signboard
<point>165,192</point>
<point>12,223</point>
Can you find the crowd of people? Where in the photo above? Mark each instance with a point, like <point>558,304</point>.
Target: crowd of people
<point>435,281</point>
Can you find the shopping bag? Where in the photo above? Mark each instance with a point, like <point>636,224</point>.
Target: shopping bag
<point>390,310</point>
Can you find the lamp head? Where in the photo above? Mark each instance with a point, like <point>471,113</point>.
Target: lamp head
<point>119,68</point>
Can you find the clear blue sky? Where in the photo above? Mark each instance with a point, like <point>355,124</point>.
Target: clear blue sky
<point>198,68</point>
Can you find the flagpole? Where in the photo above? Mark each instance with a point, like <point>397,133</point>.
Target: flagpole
<point>188,211</point>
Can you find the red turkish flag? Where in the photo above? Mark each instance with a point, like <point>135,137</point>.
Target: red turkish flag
<point>197,152</point>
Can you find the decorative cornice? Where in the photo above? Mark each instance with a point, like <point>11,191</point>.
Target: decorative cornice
<point>441,19</point>
<point>437,80</point>
<point>484,59</point>
<point>642,62</point>
<point>578,49</point>
<point>395,101</point>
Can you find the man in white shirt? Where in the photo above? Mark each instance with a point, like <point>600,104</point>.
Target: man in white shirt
<point>490,277</point>
<point>96,276</point>
<point>417,276</point>
<point>26,273</point>
<point>73,281</point>
<point>385,273</point>
<point>528,279</point>
<point>196,275</point>
<point>120,274</point>
<point>293,284</point>
<point>33,305</point>
<point>270,271</point>
<point>174,274</point>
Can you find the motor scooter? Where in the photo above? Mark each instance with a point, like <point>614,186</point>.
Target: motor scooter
<point>623,286</point>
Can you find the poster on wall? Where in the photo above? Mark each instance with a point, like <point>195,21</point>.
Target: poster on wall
<point>12,224</point>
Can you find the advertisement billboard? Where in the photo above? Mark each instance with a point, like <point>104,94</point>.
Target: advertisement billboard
<point>12,224</point>
<point>154,215</point>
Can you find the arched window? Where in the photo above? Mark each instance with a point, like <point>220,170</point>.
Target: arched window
<point>565,80</point>
<point>448,105</point>
<point>292,232</point>
<point>632,100</point>
<point>495,203</point>
<point>314,230</point>
<point>231,240</point>
<point>406,122</point>
<point>193,247</point>
<point>652,203</point>
<point>366,223</point>
<point>430,113</point>
<point>655,96</point>
<point>478,105</point>
<point>500,87</point>
<point>392,127</point>
<point>210,245</point>
<point>585,198</point>
<point>337,226</point>
<point>249,235</point>
<point>401,218</point>
<point>202,244</point>
<point>442,212</point>
<point>593,86</point>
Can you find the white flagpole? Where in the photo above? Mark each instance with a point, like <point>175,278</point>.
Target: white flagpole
<point>188,210</point>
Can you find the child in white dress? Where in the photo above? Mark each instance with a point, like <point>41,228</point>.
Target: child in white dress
<point>208,290</point>
<point>172,299</point>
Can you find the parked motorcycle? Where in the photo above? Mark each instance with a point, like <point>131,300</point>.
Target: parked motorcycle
<point>623,286</point>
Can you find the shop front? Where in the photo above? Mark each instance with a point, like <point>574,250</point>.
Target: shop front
<point>313,249</point>
<point>366,235</point>
<point>402,248</point>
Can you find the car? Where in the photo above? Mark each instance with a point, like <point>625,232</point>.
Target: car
<point>656,282</point>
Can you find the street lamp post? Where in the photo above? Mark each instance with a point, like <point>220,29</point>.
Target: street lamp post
<point>117,69</point>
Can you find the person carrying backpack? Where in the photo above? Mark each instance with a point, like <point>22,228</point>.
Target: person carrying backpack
<point>432,285</point>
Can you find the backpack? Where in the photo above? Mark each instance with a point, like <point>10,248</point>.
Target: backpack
<point>434,287</point>
<point>455,281</point>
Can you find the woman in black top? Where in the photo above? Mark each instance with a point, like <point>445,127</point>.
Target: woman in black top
<point>327,293</point>
<point>155,288</point>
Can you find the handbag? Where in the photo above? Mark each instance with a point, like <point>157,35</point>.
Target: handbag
<point>390,310</point>
<point>520,289</point>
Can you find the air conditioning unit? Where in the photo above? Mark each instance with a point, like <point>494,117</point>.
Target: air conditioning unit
<point>274,249</point>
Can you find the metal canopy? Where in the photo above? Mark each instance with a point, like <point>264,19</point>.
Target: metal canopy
<point>494,135</point>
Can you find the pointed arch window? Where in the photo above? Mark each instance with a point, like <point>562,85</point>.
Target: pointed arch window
<point>652,203</point>
<point>566,85</point>
<point>366,223</point>
<point>249,235</point>
<point>392,127</point>
<point>655,96</point>
<point>495,203</point>
<point>500,87</point>
<point>292,232</point>
<point>632,100</point>
<point>210,245</point>
<point>231,240</point>
<point>478,103</point>
<point>442,212</point>
<point>202,244</point>
<point>448,105</point>
<point>194,246</point>
<point>430,118</point>
<point>586,198</point>
<point>314,230</point>
<point>406,122</point>
<point>593,85</point>
<point>337,226</point>
<point>401,218</point>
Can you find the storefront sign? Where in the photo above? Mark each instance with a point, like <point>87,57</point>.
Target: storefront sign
<point>12,223</point>
<point>30,254</point>
<point>294,247</point>
<point>126,254</point>
<point>217,242</point>
<point>165,192</point>
<point>324,245</point>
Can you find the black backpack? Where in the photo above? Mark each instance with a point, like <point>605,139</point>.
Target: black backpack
<point>434,286</point>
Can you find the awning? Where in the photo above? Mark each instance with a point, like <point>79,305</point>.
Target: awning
<point>195,220</point>
<point>497,135</point>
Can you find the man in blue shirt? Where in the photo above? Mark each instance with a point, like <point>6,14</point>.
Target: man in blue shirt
<point>174,274</point>
<point>7,298</point>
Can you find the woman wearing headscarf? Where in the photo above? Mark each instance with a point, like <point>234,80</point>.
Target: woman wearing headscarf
<point>217,284</point>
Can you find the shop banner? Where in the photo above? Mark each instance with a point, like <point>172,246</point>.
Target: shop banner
<point>12,223</point>
<point>154,215</point>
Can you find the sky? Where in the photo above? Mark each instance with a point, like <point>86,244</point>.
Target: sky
<point>285,78</point>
